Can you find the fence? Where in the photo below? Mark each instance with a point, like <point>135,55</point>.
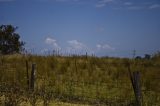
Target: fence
<point>116,92</point>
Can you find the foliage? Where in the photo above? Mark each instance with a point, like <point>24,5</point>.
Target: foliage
<point>9,40</point>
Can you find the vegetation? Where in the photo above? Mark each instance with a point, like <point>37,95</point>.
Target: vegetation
<point>77,80</point>
<point>9,40</point>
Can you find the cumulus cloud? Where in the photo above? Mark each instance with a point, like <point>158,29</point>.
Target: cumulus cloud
<point>52,42</point>
<point>74,44</point>
<point>154,6</point>
<point>104,47</point>
<point>78,47</point>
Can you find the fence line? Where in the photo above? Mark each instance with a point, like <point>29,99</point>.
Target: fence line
<point>101,92</point>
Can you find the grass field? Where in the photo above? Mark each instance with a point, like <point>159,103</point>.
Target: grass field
<point>77,80</point>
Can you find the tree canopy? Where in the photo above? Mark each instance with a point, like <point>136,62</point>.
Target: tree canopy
<point>10,40</point>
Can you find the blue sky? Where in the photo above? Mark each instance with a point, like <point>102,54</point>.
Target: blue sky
<point>102,27</point>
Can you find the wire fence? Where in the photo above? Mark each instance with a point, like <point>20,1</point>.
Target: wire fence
<point>112,93</point>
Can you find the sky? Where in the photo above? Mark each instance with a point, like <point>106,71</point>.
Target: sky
<point>100,27</point>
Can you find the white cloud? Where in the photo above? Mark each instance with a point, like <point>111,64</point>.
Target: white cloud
<point>124,4</point>
<point>77,47</point>
<point>98,46</point>
<point>133,6</point>
<point>104,47</point>
<point>154,6</point>
<point>103,3</point>
<point>74,44</point>
<point>52,42</point>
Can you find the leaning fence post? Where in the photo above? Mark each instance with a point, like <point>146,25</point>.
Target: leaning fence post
<point>32,80</point>
<point>137,88</point>
<point>135,80</point>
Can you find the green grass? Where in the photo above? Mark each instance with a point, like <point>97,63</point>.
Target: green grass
<point>81,80</point>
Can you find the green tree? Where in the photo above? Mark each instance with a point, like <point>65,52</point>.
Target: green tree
<point>10,40</point>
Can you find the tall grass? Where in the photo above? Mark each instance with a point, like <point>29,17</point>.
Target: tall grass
<point>90,80</point>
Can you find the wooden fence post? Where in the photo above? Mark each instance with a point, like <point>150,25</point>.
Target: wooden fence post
<point>135,80</point>
<point>32,80</point>
<point>86,55</point>
<point>27,74</point>
<point>137,88</point>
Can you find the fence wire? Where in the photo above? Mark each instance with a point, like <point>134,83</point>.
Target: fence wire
<point>115,93</point>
